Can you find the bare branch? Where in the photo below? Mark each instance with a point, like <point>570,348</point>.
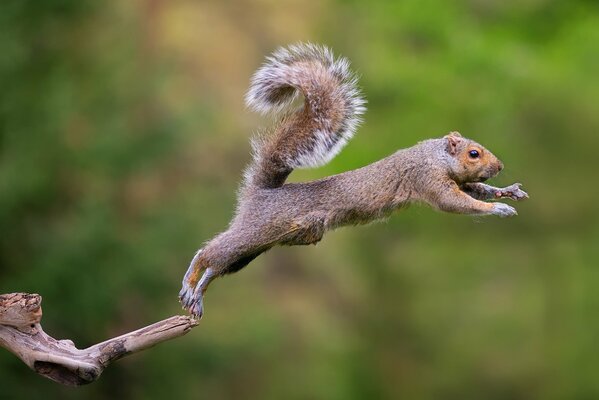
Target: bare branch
<point>59,360</point>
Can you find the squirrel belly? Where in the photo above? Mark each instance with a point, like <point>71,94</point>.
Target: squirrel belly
<point>446,173</point>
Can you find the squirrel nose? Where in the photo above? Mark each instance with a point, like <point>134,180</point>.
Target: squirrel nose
<point>499,166</point>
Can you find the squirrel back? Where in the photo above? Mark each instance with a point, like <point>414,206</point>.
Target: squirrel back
<point>313,134</point>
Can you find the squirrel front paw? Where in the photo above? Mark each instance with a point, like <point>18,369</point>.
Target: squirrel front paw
<point>503,210</point>
<point>513,192</point>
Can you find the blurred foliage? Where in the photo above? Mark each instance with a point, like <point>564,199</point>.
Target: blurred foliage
<point>123,135</point>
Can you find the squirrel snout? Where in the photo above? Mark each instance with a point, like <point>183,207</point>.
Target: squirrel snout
<point>492,170</point>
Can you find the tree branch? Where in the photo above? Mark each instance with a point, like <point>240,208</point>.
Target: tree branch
<point>59,360</point>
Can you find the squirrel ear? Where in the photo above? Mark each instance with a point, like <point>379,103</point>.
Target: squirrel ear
<point>453,139</point>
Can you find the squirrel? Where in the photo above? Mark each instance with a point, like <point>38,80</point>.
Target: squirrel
<point>446,173</point>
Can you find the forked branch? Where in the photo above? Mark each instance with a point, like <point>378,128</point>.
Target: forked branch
<point>59,360</point>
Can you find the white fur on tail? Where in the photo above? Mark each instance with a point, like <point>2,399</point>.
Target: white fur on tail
<point>284,75</point>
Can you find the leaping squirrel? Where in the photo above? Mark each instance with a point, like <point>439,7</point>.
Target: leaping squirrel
<point>446,172</point>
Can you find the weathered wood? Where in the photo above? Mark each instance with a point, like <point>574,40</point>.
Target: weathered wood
<point>59,360</point>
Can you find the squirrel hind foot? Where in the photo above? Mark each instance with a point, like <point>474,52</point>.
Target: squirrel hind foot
<point>186,295</point>
<point>192,299</point>
<point>196,306</point>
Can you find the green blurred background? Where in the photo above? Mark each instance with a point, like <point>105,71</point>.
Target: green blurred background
<point>123,138</point>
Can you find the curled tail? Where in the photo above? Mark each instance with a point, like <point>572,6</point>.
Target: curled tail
<point>312,135</point>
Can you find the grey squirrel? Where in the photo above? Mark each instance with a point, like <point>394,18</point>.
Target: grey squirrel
<point>447,173</point>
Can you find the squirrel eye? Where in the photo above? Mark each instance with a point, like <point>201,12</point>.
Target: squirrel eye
<point>473,154</point>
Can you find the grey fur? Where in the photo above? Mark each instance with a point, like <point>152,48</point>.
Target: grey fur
<point>440,172</point>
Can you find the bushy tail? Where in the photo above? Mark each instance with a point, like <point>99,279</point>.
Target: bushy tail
<point>312,135</point>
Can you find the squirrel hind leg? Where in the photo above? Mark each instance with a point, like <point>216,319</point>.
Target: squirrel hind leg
<point>208,264</point>
<point>307,230</point>
<point>192,298</point>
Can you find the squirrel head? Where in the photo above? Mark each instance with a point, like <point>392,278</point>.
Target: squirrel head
<point>472,162</point>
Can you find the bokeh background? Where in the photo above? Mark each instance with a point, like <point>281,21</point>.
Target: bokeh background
<point>123,137</point>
